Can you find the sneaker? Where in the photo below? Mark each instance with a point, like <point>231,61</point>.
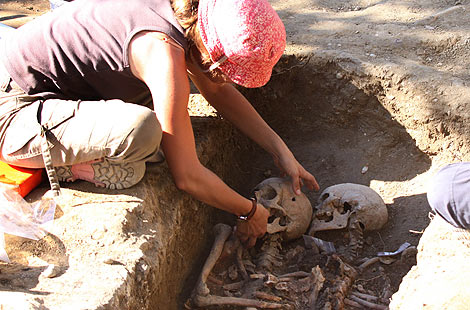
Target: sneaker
<point>104,173</point>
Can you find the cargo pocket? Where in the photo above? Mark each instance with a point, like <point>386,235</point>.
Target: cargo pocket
<point>23,136</point>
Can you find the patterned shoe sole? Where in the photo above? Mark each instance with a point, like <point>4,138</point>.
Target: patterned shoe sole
<point>106,174</point>
<point>64,174</point>
<point>118,176</point>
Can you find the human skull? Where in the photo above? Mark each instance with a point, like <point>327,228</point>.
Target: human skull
<point>343,204</point>
<point>290,214</point>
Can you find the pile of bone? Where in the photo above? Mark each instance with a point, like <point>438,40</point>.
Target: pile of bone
<point>290,268</point>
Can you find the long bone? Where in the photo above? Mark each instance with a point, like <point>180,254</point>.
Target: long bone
<point>201,296</point>
<point>222,233</point>
<point>212,300</point>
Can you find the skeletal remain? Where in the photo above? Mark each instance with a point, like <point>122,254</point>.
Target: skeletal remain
<point>270,280</point>
<point>241,266</point>
<point>269,253</point>
<point>342,283</point>
<point>368,304</point>
<point>234,286</point>
<point>365,296</point>
<point>257,276</point>
<point>318,279</point>
<point>356,238</point>
<point>354,206</point>
<point>367,300</point>
<point>222,233</point>
<point>212,300</point>
<point>290,216</point>
<point>387,291</point>
<point>201,296</point>
<point>349,302</point>
<point>282,286</point>
<point>214,280</point>
<point>368,262</point>
<point>266,296</point>
<point>290,213</point>
<point>295,274</point>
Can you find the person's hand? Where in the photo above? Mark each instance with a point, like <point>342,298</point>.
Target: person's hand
<point>249,231</point>
<point>289,166</point>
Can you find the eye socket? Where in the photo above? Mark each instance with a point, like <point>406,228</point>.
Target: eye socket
<point>346,208</point>
<point>268,193</point>
<point>282,219</point>
<point>324,196</point>
<point>271,219</point>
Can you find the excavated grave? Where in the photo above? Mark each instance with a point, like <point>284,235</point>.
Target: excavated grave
<point>143,248</point>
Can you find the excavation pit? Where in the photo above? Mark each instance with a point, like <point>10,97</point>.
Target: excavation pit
<point>148,243</point>
<point>396,72</point>
<point>338,128</point>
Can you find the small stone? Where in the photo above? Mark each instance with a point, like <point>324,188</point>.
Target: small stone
<point>110,261</point>
<point>364,169</point>
<point>440,128</point>
<point>51,271</point>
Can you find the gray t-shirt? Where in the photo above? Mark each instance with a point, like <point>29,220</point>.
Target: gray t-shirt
<point>80,50</point>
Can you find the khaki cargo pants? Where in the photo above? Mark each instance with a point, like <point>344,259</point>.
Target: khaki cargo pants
<point>77,131</point>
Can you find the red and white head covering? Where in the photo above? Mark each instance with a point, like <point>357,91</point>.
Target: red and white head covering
<point>249,33</point>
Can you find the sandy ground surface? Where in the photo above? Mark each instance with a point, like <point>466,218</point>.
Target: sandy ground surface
<point>16,13</point>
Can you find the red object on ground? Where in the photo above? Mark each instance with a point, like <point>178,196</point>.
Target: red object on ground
<point>22,180</point>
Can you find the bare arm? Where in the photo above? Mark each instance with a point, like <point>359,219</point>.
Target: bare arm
<point>236,108</point>
<point>163,68</point>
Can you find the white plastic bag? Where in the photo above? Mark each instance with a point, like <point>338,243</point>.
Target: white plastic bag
<point>20,218</point>
<point>3,253</point>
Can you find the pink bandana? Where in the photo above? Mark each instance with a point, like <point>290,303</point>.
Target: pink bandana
<point>248,32</point>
